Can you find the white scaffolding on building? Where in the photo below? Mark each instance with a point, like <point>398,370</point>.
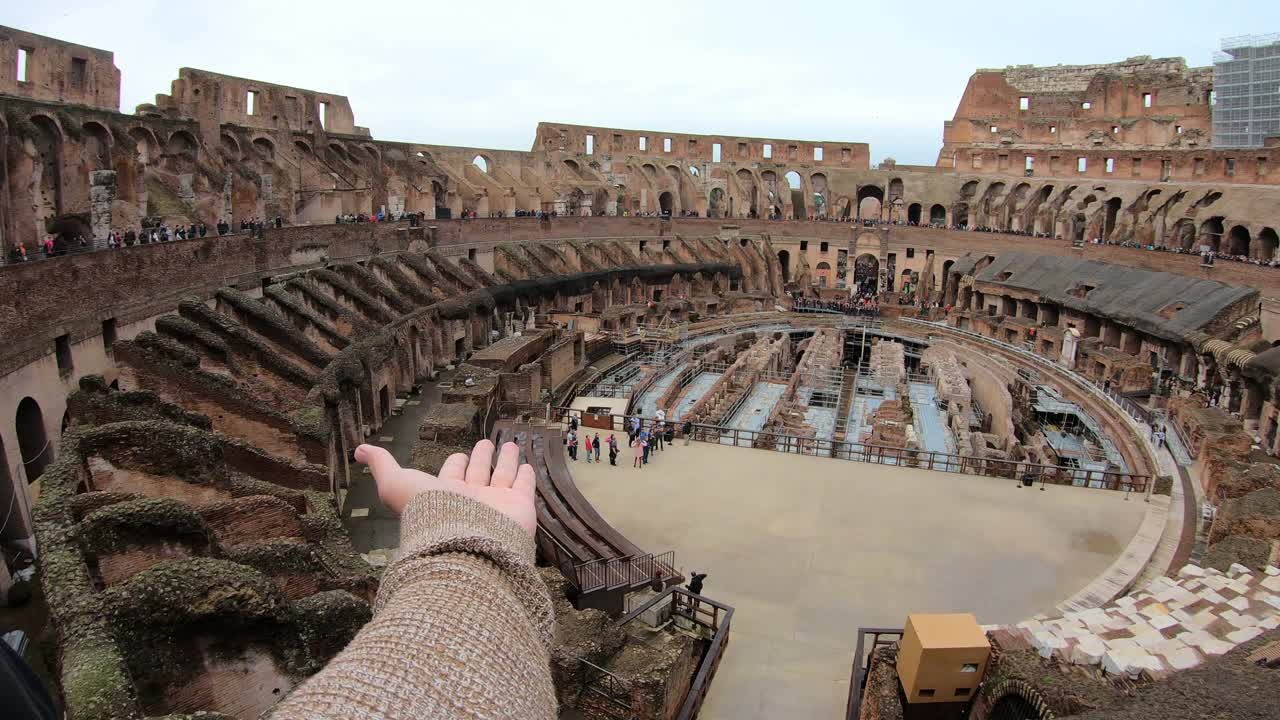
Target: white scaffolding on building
<point>1246,91</point>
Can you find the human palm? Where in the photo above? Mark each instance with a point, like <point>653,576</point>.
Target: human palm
<point>508,488</point>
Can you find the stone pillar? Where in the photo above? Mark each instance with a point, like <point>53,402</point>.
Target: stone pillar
<point>102,192</point>
<point>186,190</point>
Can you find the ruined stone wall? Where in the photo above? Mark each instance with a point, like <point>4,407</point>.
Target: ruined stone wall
<point>58,71</point>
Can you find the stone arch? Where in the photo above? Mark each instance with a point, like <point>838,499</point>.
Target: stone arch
<point>784,260</point>
<point>1184,234</point>
<point>818,184</point>
<point>1109,222</point>
<point>960,215</point>
<point>715,202</point>
<point>937,215</point>
<point>1238,240</point>
<point>895,190</point>
<point>485,165</point>
<point>33,441</point>
<point>866,273</point>
<point>1211,233</point>
<point>148,147</point>
<point>799,208</point>
<point>870,202</point>
<point>913,213</point>
<point>666,202</point>
<point>181,143</point>
<point>373,153</point>
<point>747,182</point>
<point>229,146</point>
<point>336,151</point>
<point>47,143</point>
<point>301,147</point>
<point>969,189</point>
<point>1265,247</point>
<point>823,274</point>
<point>97,145</point>
<point>265,149</point>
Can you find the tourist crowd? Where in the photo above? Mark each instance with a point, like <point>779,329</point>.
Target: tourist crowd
<point>645,438</point>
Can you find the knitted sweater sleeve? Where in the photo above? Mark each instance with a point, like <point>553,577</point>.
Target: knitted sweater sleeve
<point>462,627</point>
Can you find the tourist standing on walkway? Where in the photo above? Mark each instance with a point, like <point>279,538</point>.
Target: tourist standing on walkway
<point>595,442</point>
<point>695,582</point>
<point>613,450</point>
<point>638,446</point>
<point>688,432</point>
<point>586,445</point>
<point>573,445</point>
<point>646,442</point>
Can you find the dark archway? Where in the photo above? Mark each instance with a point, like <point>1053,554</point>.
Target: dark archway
<point>823,271</point>
<point>937,215</point>
<point>1080,222</point>
<point>866,274</point>
<point>1265,248</point>
<point>913,213</point>
<point>784,259</point>
<point>960,215</point>
<point>1013,707</point>
<point>1184,234</point>
<point>1113,211</point>
<point>715,203</point>
<point>33,442</point>
<point>799,209</point>
<point>1238,241</point>
<point>870,210</point>
<point>665,202</point>
<point>1211,233</point>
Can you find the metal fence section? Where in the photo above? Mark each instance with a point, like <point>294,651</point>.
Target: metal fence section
<point>1025,472</point>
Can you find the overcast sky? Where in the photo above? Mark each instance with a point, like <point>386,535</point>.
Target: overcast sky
<point>484,73</point>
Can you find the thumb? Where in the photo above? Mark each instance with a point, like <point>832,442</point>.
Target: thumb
<point>380,461</point>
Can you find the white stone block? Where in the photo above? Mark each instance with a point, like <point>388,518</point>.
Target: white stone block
<point>1190,570</point>
<point>1215,647</point>
<point>1126,601</point>
<point>1237,569</point>
<point>1243,635</point>
<point>1046,642</point>
<point>1243,621</point>
<point>1272,583</point>
<point>1271,570</point>
<point>1270,623</point>
<point>1163,621</point>
<point>1183,659</point>
<point>1088,651</point>
<point>1149,641</point>
<point>1116,662</point>
<point>1239,603</point>
<point>1213,597</point>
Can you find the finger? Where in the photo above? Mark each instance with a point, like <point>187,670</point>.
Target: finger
<point>481,463</point>
<point>504,474</point>
<point>380,461</point>
<point>454,468</point>
<point>525,480</point>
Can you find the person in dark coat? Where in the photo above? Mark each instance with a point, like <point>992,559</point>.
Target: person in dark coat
<point>695,582</point>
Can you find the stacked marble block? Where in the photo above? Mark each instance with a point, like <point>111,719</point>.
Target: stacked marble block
<point>1172,624</point>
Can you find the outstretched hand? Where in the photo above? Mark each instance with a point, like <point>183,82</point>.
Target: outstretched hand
<point>508,488</point>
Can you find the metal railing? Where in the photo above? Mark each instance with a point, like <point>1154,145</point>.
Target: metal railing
<point>601,682</point>
<point>904,457</point>
<point>708,617</point>
<point>880,637</point>
<point>624,572</point>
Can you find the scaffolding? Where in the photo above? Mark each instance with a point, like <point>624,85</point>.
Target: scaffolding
<point>1246,91</point>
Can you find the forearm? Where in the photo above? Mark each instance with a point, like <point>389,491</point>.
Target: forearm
<point>462,627</point>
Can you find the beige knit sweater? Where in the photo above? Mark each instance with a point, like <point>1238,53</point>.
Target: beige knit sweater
<point>462,627</point>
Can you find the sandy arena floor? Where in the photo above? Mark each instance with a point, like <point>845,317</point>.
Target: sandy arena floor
<point>807,550</point>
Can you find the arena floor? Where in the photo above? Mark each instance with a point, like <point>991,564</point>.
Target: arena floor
<point>807,550</point>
